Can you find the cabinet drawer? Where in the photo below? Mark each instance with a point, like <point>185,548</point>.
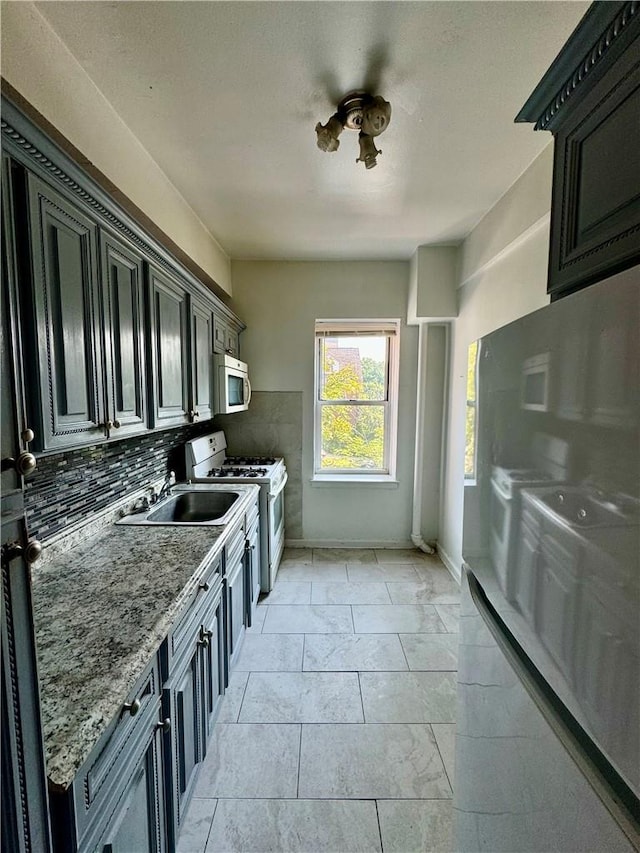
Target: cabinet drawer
<point>104,769</point>
<point>207,586</point>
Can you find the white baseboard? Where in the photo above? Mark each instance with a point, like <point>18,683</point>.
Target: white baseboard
<point>454,571</point>
<point>351,543</point>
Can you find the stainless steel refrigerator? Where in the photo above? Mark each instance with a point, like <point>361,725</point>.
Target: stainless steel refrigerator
<point>548,730</point>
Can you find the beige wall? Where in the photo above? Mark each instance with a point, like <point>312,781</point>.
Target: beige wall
<point>503,265</point>
<point>41,69</point>
<point>280,301</point>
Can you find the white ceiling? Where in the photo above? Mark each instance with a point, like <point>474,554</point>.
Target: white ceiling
<point>226,95</point>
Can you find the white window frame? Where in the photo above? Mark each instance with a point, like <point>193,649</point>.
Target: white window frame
<point>356,328</point>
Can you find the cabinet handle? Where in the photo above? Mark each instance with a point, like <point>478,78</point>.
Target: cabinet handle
<point>193,414</point>
<point>116,424</point>
<point>23,465</point>
<point>31,551</point>
<point>205,637</point>
<point>164,725</point>
<point>204,586</point>
<point>27,435</point>
<point>132,707</point>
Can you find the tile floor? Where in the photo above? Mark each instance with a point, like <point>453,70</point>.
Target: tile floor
<point>337,731</point>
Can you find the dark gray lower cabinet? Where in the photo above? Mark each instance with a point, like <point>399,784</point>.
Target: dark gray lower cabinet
<point>252,562</point>
<point>192,695</point>
<point>117,799</point>
<point>131,794</point>
<point>235,592</point>
<point>139,823</point>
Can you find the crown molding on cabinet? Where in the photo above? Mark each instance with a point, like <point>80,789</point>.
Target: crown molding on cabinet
<point>32,147</point>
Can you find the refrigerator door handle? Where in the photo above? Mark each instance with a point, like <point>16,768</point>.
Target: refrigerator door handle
<point>580,748</point>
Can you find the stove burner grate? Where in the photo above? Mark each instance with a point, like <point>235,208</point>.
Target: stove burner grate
<point>229,471</point>
<point>250,460</point>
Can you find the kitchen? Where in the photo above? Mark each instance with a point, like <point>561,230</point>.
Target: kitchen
<point>496,274</point>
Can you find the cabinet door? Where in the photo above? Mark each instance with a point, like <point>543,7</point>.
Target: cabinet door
<point>139,823</point>
<point>183,693</point>
<point>201,369</point>
<point>219,334</point>
<point>186,724</point>
<point>596,206</point>
<point>252,556</point>
<point>231,342</point>
<point>124,337</point>
<point>235,613</point>
<point>70,380</point>
<point>169,350</point>
<point>212,666</point>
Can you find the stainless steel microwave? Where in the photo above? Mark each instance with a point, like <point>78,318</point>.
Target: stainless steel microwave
<point>232,389</point>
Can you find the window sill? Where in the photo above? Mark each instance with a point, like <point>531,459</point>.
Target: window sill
<point>384,481</point>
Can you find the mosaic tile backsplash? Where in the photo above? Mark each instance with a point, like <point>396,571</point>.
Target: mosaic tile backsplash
<point>67,487</point>
<point>272,425</point>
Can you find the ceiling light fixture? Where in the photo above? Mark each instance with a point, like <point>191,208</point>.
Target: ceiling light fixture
<point>368,114</point>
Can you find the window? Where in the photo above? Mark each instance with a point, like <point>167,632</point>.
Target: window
<point>471,426</point>
<point>356,398</point>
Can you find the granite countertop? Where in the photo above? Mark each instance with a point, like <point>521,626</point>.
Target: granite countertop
<point>101,611</point>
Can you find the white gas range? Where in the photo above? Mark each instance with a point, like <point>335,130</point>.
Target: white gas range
<point>206,461</point>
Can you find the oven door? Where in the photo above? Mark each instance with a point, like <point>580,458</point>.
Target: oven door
<point>275,514</point>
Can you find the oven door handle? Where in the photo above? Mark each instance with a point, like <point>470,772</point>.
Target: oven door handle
<point>247,388</point>
<point>281,485</point>
<point>499,491</point>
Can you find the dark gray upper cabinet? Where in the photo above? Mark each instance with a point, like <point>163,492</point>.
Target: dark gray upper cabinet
<point>201,363</point>
<point>122,290</point>
<point>117,334</point>
<point>67,361</point>
<point>169,350</point>
<point>590,100</point>
<point>225,336</point>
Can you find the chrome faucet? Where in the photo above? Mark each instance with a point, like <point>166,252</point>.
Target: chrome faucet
<point>165,490</point>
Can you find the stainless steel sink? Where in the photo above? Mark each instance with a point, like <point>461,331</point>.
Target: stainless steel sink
<point>208,507</point>
<point>582,509</point>
<point>192,507</point>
